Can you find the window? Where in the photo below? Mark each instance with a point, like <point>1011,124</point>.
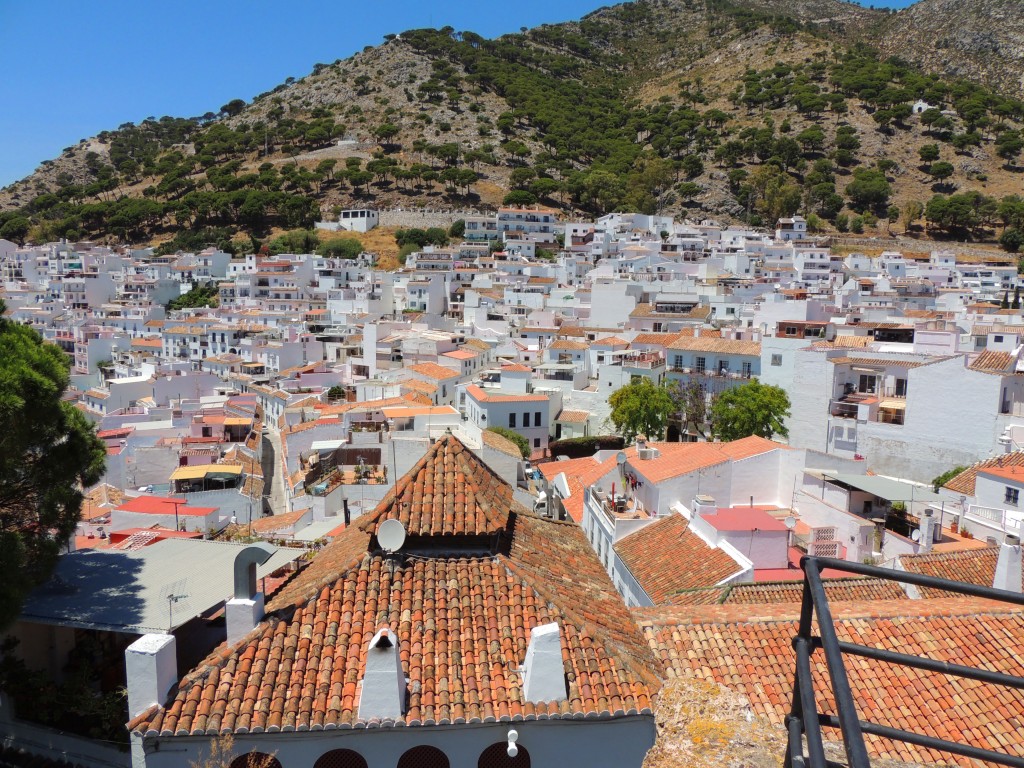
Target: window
<point>997,339</point>
<point>511,421</point>
<point>701,364</point>
<point>868,383</point>
<point>256,760</point>
<point>1012,495</point>
<point>723,367</point>
<point>536,419</point>
<point>776,360</point>
<point>536,442</point>
<point>526,419</point>
<point>901,388</point>
<point>424,757</point>
<point>791,330</point>
<point>340,758</point>
<point>677,361</point>
<point>496,756</point>
<point>747,369</point>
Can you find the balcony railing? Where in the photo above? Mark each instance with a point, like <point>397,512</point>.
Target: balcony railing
<point>806,721</point>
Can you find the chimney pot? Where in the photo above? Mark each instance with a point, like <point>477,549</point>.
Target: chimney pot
<point>383,692</point>
<point>151,670</point>
<point>543,670</point>
<point>1008,565</point>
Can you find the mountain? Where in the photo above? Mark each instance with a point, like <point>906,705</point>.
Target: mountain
<point>739,109</point>
<point>981,40</point>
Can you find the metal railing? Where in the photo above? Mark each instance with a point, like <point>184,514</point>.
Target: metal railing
<point>806,721</point>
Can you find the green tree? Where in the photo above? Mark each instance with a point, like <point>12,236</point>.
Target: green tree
<point>341,248</point>
<point>869,189</point>
<point>641,408</point>
<point>521,442</point>
<point>929,153</point>
<point>941,170</point>
<point>751,409</point>
<point>691,410</point>
<point>48,455</point>
<point>1012,240</point>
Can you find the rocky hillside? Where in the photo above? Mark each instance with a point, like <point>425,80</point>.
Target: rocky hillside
<point>981,40</point>
<point>739,109</point>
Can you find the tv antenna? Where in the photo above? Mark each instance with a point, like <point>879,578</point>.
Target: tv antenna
<point>173,593</point>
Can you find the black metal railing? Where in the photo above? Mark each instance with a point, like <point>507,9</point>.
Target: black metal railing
<point>806,722</point>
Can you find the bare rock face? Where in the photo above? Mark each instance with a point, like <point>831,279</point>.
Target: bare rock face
<point>980,40</point>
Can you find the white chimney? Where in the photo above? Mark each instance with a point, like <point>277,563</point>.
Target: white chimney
<point>1008,565</point>
<point>151,668</point>
<point>704,505</point>
<point>927,531</point>
<point>543,672</point>
<point>245,610</point>
<point>383,693</point>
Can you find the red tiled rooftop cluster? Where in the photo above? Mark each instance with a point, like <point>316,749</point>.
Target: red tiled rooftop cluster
<point>463,621</point>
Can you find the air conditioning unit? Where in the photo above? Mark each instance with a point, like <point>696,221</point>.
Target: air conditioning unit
<point>648,453</point>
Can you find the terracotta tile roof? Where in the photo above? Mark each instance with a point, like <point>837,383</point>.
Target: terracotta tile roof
<point>483,396</point>
<point>462,624</point>
<point>993,361</point>
<point>749,649</point>
<point>500,443</point>
<point>611,341</point>
<point>433,371</point>
<point>889,361</point>
<point>666,557</point>
<point>716,345</point>
<point>655,338</point>
<point>770,592</point>
<point>648,310</point>
<point>846,341</point>
<point>516,368</point>
<point>417,385</point>
<point>682,458</point>
<point>580,474</point>
<point>566,344</point>
<point>965,481</point>
<point>1014,474</point>
<point>573,417</point>
<point>975,566</point>
<point>478,344</point>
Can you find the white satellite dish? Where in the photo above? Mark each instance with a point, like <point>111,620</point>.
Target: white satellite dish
<point>621,457</point>
<point>916,535</point>
<point>790,522</point>
<point>391,536</point>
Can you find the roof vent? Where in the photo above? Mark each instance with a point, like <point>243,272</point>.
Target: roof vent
<point>245,610</point>
<point>1008,565</point>
<point>383,693</point>
<point>543,671</point>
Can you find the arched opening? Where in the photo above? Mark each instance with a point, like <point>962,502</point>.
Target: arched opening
<point>256,760</point>
<point>340,758</point>
<point>424,757</point>
<point>496,756</point>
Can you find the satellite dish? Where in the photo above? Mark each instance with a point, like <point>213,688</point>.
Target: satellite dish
<point>391,535</point>
<point>790,522</point>
<point>831,332</point>
<point>621,457</point>
<point>916,535</point>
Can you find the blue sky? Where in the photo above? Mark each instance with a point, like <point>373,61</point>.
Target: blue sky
<point>73,68</point>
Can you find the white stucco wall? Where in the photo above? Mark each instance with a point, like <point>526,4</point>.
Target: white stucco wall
<point>620,742</point>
